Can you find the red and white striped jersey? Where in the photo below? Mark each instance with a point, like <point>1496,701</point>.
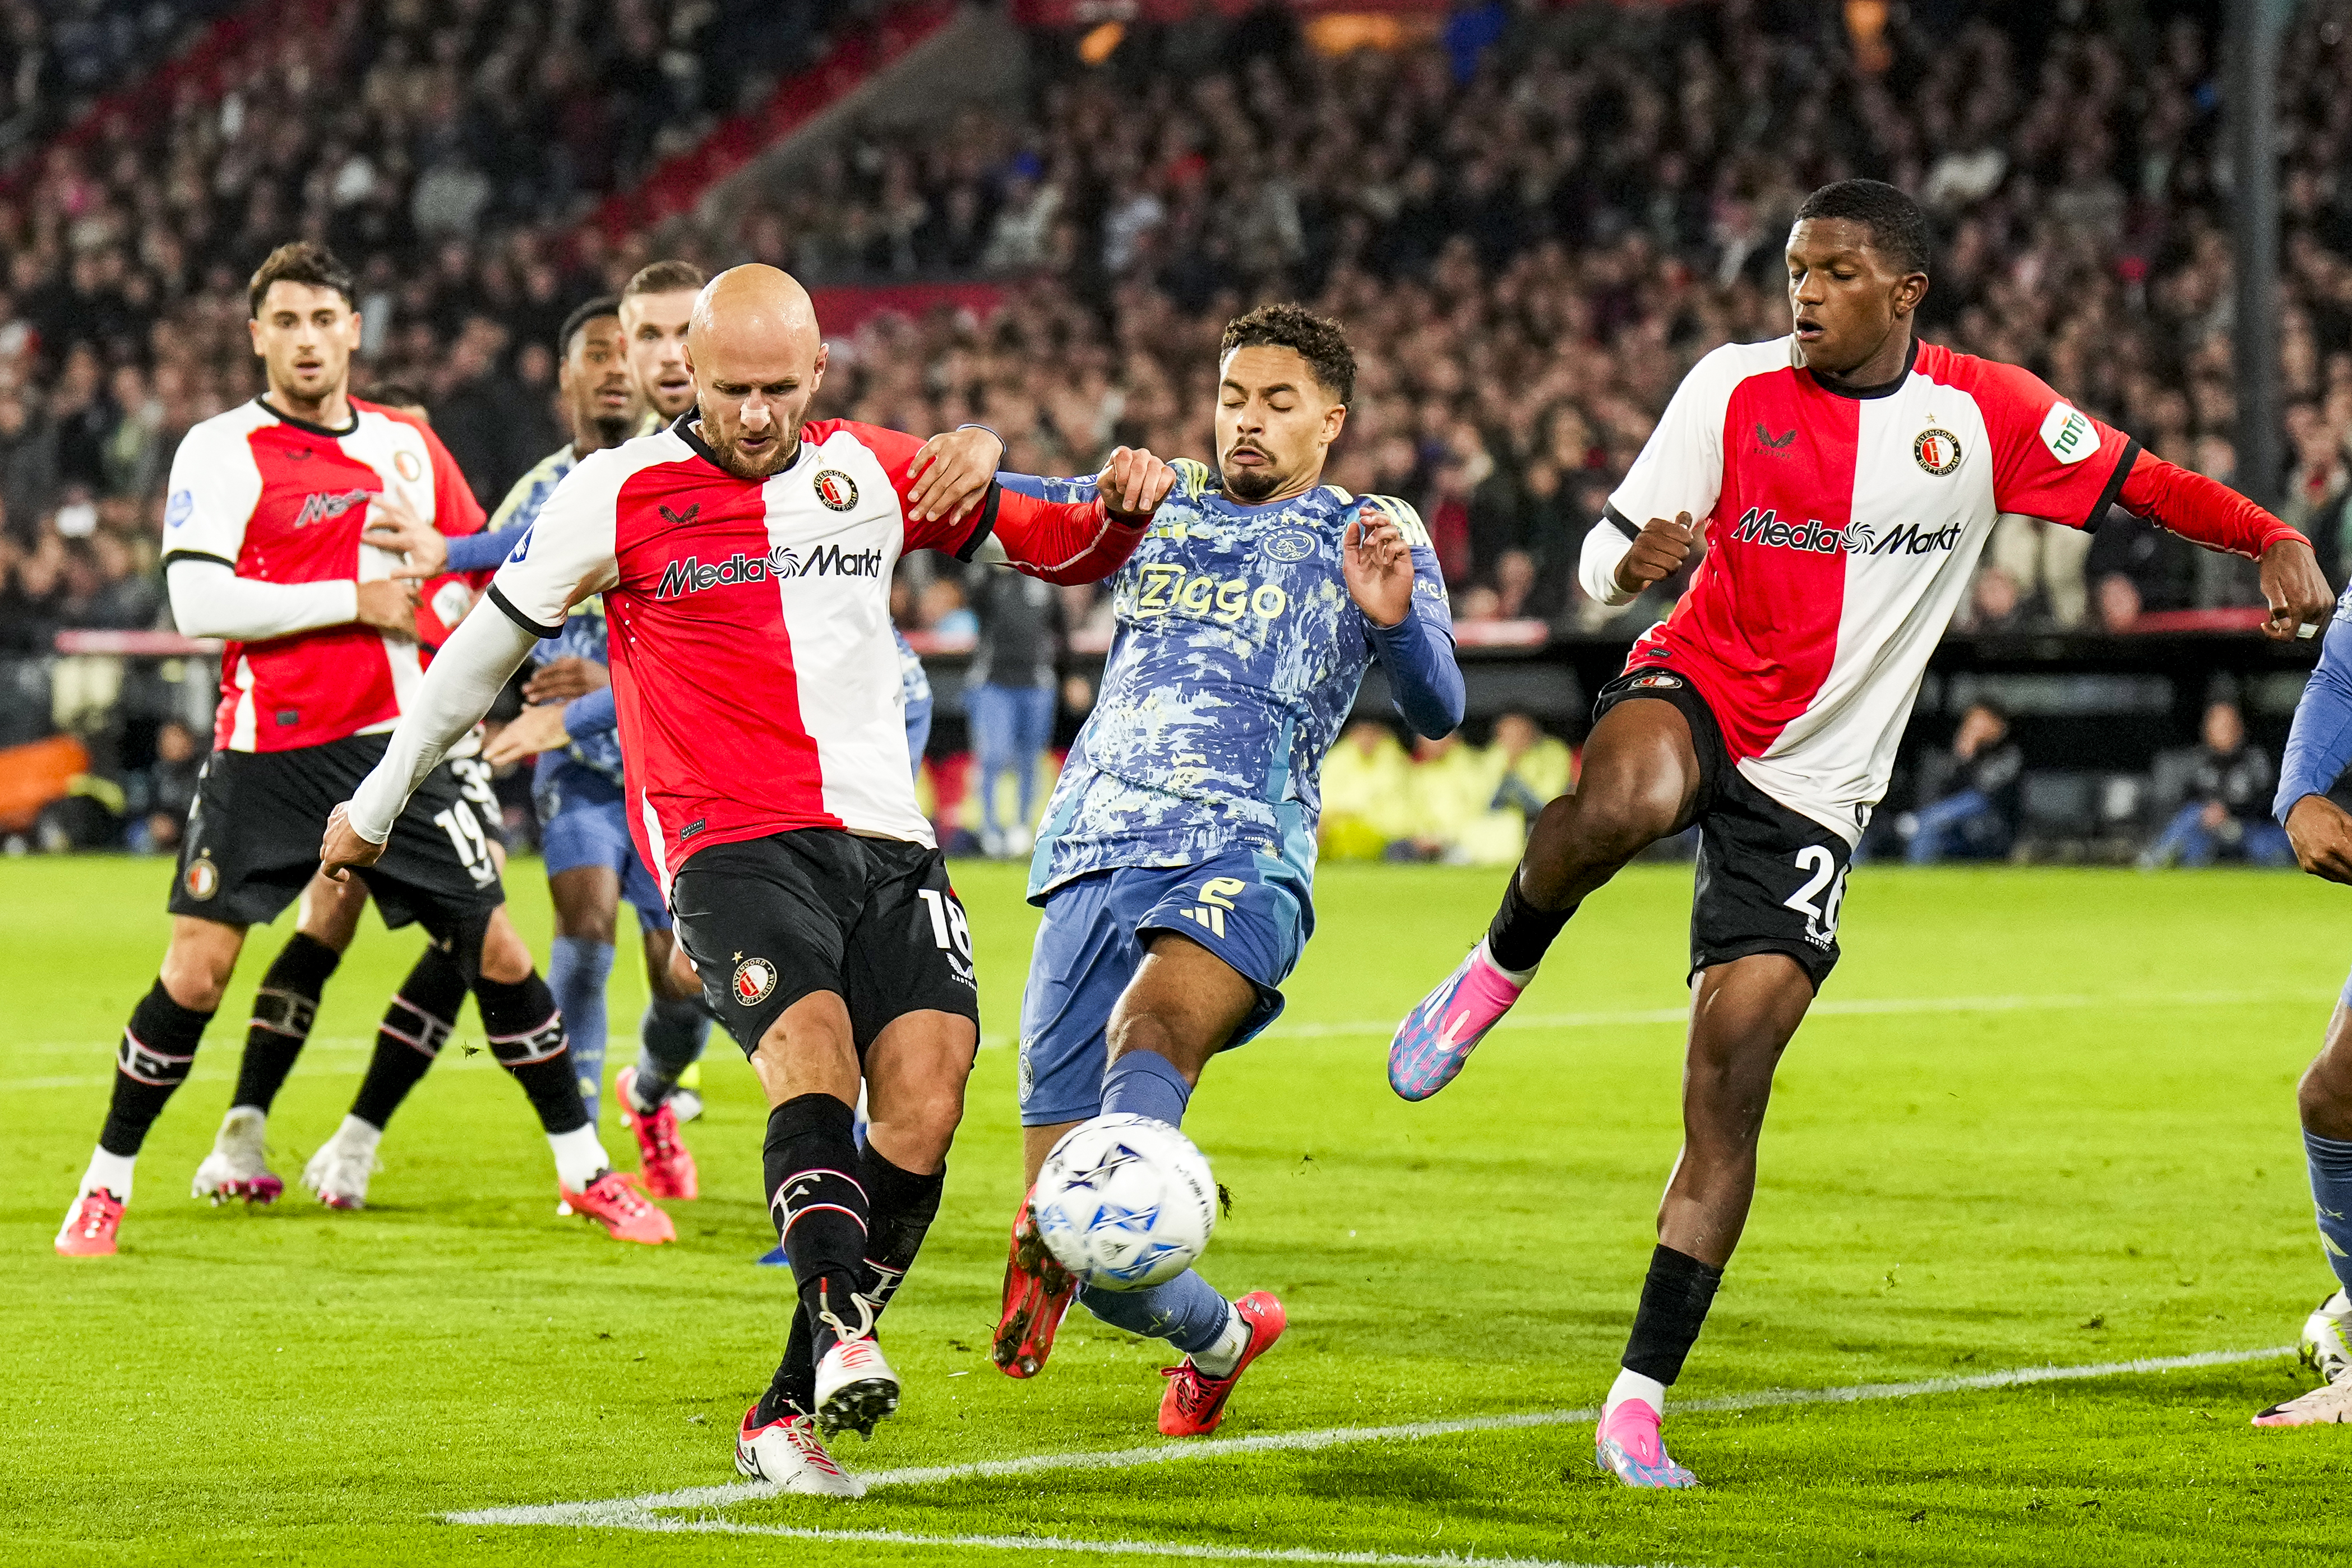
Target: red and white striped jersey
<point>754,673</point>
<point>1845,528</point>
<point>281,500</point>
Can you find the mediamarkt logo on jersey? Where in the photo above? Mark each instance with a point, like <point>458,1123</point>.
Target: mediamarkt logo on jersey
<point>691,576</point>
<point>1765,527</point>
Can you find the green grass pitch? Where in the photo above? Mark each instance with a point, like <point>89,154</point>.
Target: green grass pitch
<point>2066,1137</point>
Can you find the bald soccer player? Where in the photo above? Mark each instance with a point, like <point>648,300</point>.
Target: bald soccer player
<point>744,557</point>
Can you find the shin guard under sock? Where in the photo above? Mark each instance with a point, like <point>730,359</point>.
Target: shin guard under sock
<point>820,1212</point>
<point>526,1034</point>
<point>421,1015</point>
<point>157,1049</point>
<point>1145,1083</point>
<point>577,969</point>
<point>283,1010</point>
<point>1674,1300</point>
<point>2331,1196</point>
<point>1521,933</point>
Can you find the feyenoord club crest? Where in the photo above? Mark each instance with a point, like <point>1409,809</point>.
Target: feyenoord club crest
<point>410,468</point>
<point>1937,451</point>
<point>1656,680</point>
<point>835,490</point>
<point>755,978</point>
<point>203,878</point>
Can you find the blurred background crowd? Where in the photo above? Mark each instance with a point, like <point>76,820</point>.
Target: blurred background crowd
<point>1532,218</point>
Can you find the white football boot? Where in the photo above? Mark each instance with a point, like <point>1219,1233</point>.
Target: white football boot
<point>2326,1345</point>
<point>339,1172</point>
<point>855,1387</point>
<point>787,1452</point>
<point>238,1166</point>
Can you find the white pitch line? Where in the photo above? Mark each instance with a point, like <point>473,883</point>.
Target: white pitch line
<point>1188,1551</point>
<point>637,1513</point>
<point>1851,1007</point>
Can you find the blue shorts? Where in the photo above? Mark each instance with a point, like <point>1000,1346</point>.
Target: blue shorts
<point>579,827</point>
<point>1250,910</point>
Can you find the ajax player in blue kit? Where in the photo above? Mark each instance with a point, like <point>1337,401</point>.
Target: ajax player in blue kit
<point>2318,749</point>
<point>1176,858</point>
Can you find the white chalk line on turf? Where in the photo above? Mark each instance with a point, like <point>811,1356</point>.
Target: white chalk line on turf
<point>637,1513</point>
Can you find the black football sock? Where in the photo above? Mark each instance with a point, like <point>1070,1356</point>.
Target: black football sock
<point>900,1209</point>
<point>820,1212</point>
<point>415,1026</point>
<point>526,1034</point>
<point>1521,933</point>
<point>157,1049</point>
<point>1675,1299</point>
<point>283,1010</point>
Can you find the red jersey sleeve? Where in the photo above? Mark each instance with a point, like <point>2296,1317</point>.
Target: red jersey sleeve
<point>2051,460</point>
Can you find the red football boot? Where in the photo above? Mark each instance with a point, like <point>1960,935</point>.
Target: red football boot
<point>1038,1292</point>
<point>612,1201</point>
<point>1195,1402</point>
<point>89,1228</point>
<point>668,1166</point>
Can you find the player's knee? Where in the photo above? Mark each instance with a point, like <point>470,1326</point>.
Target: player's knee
<point>2323,1096</point>
<point>195,974</point>
<point>505,957</point>
<point>1617,818</point>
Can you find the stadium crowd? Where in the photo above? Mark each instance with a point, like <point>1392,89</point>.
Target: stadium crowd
<point>1529,242</point>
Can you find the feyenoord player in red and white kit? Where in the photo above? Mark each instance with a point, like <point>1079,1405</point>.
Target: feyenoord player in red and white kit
<point>1844,480</point>
<point>263,547</point>
<point>745,558</point>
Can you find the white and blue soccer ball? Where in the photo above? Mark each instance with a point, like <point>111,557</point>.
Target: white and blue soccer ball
<point>1125,1202</point>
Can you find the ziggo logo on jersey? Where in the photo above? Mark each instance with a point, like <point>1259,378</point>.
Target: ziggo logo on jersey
<point>1856,538</point>
<point>1166,591</point>
<point>691,576</point>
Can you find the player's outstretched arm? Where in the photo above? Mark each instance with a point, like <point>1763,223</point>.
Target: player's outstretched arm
<point>466,678</point>
<point>2318,749</point>
<point>2209,513</point>
<point>1085,538</point>
<point>1396,583</point>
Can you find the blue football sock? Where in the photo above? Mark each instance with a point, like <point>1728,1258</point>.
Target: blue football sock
<point>1186,1312</point>
<point>670,1037</point>
<point>1145,1083</point>
<point>576,972</point>
<point>2331,1195</point>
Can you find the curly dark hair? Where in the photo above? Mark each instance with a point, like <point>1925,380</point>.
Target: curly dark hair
<point>1897,228</point>
<point>1320,342</point>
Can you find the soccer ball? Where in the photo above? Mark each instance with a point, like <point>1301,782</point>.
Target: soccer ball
<point>1125,1202</point>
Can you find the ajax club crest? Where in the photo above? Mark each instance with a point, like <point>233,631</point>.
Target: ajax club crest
<point>835,490</point>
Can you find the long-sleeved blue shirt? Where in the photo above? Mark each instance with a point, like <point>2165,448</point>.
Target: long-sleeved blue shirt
<point>1236,661</point>
<point>2319,747</point>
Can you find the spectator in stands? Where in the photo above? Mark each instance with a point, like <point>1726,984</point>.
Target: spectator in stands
<point>158,795</point>
<point>1009,697</point>
<point>28,466</point>
<point>1972,793</point>
<point>2227,811</point>
<point>1367,784</point>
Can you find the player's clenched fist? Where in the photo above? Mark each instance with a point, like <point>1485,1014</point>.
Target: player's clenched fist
<point>343,848</point>
<point>2300,598</point>
<point>1658,552</point>
<point>2322,835</point>
<point>1133,484</point>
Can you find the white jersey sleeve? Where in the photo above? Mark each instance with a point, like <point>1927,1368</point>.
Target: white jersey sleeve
<point>215,486</point>
<point>1681,466</point>
<point>472,667</point>
<point>209,599</point>
<point>568,553</point>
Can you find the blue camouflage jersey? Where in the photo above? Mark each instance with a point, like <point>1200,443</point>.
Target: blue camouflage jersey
<point>583,630</point>
<point>1236,660</point>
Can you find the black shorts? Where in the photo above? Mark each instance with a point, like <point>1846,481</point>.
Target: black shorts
<point>253,840</point>
<point>1770,879</point>
<point>477,781</point>
<point>769,921</point>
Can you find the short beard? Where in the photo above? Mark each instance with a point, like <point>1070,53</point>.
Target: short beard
<point>730,457</point>
<point>611,429</point>
<point>1252,485</point>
